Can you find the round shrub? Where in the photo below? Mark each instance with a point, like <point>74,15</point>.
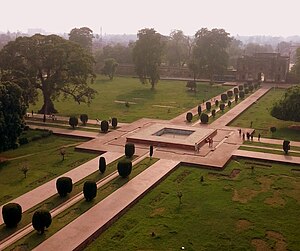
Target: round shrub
<point>242,95</point>
<point>124,168</point>
<point>230,94</point>
<point>213,113</point>
<point>246,90</point>
<point>246,85</point>
<point>129,150</point>
<point>64,186</point>
<point>241,87</point>
<point>236,90</point>
<point>222,107</point>
<point>11,214</point>
<point>273,129</point>
<point>102,164</point>
<point>229,103</point>
<point>89,190</point>
<point>104,126</point>
<point>41,219</point>
<point>224,97</point>
<point>250,87</point>
<point>208,105</point>
<point>217,103</point>
<point>189,116</point>
<point>73,121</point>
<point>199,110</point>
<point>114,122</point>
<point>84,118</point>
<point>204,118</point>
<point>236,98</point>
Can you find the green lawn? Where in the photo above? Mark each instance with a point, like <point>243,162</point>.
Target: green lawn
<point>259,113</point>
<point>259,206</point>
<point>44,161</point>
<point>168,100</point>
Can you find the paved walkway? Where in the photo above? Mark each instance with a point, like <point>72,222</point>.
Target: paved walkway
<point>267,156</point>
<point>77,234</point>
<point>45,191</point>
<point>229,116</point>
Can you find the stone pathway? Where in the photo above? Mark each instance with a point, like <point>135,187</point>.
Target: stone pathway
<point>80,232</point>
<point>45,191</point>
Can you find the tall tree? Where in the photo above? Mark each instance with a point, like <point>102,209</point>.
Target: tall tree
<point>56,66</point>
<point>288,108</point>
<point>12,111</point>
<point>177,48</point>
<point>210,51</point>
<point>295,71</point>
<point>83,36</point>
<point>110,67</point>
<point>147,54</point>
<point>235,51</point>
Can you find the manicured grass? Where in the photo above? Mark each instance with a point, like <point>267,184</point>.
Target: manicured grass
<point>34,239</point>
<point>44,161</point>
<point>168,100</point>
<point>221,213</point>
<point>253,143</point>
<point>259,113</point>
<point>264,150</point>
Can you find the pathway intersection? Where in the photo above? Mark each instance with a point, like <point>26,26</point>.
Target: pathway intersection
<point>174,142</point>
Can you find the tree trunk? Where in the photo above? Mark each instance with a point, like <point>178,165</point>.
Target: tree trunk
<point>48,106</point>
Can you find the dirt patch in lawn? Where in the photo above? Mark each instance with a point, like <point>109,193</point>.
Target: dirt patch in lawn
<point>275,200</point>
<point>242,225</point>
<point>157,211</point>
<point>234,173</point>
<point>277,240</point>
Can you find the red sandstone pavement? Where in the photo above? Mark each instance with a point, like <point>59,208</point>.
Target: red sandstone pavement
<point>89,225</point>
<point>267,156</point>
<point>229,116</point>
<point>43,192</point>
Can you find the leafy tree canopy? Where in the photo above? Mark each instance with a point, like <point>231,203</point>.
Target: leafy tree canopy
<point>12,111</point>
<point>110,67</point>
<point>295,71</point>
<point>288,108</point>
<point>83,36</point>
<point>58,67</point>
<point>210,54</point>
<point>147,54</point>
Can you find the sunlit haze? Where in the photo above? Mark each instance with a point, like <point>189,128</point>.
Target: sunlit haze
<point>256,17</point>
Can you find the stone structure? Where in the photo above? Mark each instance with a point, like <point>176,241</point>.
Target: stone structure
<point>268,67</point>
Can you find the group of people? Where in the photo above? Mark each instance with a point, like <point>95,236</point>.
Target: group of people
<point>248,135</point>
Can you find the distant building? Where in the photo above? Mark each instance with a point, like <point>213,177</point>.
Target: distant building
<point>268,67</point>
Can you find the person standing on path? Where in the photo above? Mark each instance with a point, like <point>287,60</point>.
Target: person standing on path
<point>259,137</point>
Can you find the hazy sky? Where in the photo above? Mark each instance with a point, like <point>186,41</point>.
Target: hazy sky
<point>251,17</point>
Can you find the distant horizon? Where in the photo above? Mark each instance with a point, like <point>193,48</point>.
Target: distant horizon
<point>256,18</point>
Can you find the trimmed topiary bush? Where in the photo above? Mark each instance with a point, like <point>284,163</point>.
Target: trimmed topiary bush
<point>236,98</point>
<point>73,121</point>
<point>224,97</point>
<point>11,214</point>
<point>204,118</point>
<point>230,93</point>
<point>246,91</point>
<point>84,118</point>
<point>229,103</point>
<point>104,126</point>
<point>213,113</point>
<point>286,146</point>
<point>189,116</point>
<point>217,103</point>
<point>64,186</point>
<point>124,167</point>
<point>241,87</point>
<point>222,107</point>
<point>242,95</point>
<point>129,150</point>
<point>199,110</point>
<point>102,164</point>
<point>41,219</point>
<point>273,129</point>
<point>208,106</point>
<point>89,190</point>
<point>114,122</point>
<point>251,87</point>
<point>235,90</point>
